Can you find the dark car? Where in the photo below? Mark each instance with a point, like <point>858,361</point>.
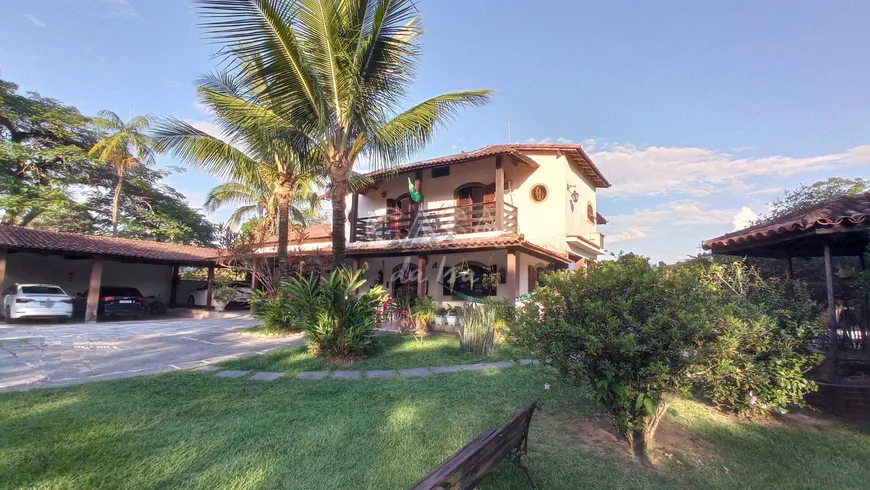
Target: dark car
<point>114,301</point>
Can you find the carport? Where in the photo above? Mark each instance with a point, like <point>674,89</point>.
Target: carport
<point>84,262</point>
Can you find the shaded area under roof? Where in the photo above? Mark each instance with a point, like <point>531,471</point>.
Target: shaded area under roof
<point>842,222</point>
<point>16,238</point>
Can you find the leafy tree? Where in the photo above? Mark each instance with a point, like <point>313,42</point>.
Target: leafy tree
<point>125,147</point>
<point>638,336</point>
<point>336,71</point>
<point>807,196</point>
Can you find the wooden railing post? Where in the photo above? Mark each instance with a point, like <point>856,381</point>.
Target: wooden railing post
<point>354,212</point>
<point>499,194</point>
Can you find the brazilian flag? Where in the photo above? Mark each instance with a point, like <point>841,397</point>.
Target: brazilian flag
<point>415,194</point>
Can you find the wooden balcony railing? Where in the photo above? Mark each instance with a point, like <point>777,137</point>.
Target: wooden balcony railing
<point>455,220</point>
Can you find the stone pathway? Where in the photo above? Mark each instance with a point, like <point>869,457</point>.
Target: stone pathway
<point>380,373</point>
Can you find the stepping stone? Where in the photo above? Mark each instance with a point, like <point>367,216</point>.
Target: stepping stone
<point>346,374</point>
<point>311,375</point>
<point>415,372</point>
<point>231,374</point>
<point>445,369</point>
<point>208,368</point>
<point>474,367</point>
<point>501,364</point>
<point>266,376</point>
<point>526,362</point>
<point>380,374</point>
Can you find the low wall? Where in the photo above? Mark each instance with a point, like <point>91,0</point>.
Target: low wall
<point>852,401</point>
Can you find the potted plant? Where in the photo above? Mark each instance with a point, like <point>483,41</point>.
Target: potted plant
<point>423,314</point>
<point>451,316</point>
<point>440,313</point>
<point>222,296</point>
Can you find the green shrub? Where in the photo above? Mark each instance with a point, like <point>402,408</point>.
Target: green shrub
<point>224,294</point>
<point>759,354</point>
<point>338,319</point>
<point>477,328</point>
<point>273,310</point>
<point>638,336</point>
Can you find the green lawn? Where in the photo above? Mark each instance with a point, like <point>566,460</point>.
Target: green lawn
<point>389,351</point>
<point>192,429</point>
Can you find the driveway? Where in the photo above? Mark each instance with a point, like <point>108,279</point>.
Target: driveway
<point>37,356</point>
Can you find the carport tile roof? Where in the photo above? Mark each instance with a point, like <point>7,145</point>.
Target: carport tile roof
<point>28,239</point>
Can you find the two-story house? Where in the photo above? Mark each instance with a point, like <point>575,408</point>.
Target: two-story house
<point>486,223</point>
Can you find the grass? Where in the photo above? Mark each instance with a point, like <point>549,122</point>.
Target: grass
<point>390,351</point>
<point>194,430</point>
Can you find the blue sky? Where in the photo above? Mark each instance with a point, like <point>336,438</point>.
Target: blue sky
<point>694,111</point>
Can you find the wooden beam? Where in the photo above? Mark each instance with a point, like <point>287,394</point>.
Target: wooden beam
<point>832,313</point>
<point>499,194</point>
<point>789,270</point>
<point>173,287</point>
<point>354,215</point>
<point>2,268</point>
<point>865,304</point>
<point>422,260</point>
<point>511,279</point>
<point>209,288</point>
<point>94,290</point>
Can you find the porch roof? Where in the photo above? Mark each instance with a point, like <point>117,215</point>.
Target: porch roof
<point>16,238</point>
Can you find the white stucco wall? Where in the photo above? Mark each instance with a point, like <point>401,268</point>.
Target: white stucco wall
<point>73,275</point>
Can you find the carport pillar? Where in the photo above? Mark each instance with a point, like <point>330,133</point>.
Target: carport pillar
<point>2,267</point>
<point>511,278</point>
<point>789,268</point>
<point>422,260</point>
<point>209,288</point>
<point>832,313</point>
<point>94,290</point>
<point>173,288</point>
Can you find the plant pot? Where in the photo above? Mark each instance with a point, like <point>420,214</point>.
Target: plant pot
<point>439,320</point>
<point>451,320</point>
<point>218,305</point>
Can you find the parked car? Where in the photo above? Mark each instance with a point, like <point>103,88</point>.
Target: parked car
<point>243,295</point>
<point>36,301</point>
<point>114,301</point>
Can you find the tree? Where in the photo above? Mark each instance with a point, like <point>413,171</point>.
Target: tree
<point>125,147</point>
<point>807,196</point>
<point>336,71</point>
<point>266,173</point>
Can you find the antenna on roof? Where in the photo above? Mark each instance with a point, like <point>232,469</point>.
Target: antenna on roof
<point>509,129</point>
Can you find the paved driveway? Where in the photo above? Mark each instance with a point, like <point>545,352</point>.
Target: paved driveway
<point>35,356</point>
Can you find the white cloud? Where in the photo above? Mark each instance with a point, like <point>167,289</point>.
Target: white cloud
<point>744,218</point>
<point>652,170</point>
<point>561,140</point>
<point>36,21</point>
<point>117,8</point>
<point>630,234</point>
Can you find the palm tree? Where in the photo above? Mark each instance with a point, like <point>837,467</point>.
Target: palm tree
<point>336,71</point>
<point>126,146</point>
<point>264,173</point>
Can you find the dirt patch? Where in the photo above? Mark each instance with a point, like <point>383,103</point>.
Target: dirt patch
<point>675,444</point>
<point>593,433</point>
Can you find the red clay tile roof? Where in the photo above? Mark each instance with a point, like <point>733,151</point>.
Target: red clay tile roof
<point>470,243</point>
<point>600,220</point>
<point>574,152</point>
<point>315,233</point>
<point>844,210</point>
<point>28,239</point>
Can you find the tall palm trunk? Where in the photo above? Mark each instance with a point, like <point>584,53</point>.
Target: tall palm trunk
<point>283,198</point>
<point>117,201</point>
<point>339,191</point>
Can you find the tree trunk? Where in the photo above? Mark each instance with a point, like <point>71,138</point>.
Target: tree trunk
<point>339,191</point>
<point>641,442</point>
<point>116,202</point>
<point>283,233</point>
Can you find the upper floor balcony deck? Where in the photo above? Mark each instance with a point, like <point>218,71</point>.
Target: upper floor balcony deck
<point>441,222</point>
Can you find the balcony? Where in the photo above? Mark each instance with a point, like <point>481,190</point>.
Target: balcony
<point>428,223</point>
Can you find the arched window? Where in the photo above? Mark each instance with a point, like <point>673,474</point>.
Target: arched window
<point>469,282</point>
<point>590,212</point>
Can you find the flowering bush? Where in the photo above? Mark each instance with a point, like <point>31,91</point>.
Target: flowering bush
<point>274,310</point>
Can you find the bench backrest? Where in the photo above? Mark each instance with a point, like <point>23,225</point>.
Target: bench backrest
<point>469,465</point>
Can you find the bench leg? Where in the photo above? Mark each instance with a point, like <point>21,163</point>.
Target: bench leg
<point>515,459</point>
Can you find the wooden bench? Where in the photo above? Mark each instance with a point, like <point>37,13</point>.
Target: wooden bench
<point>467,467</point>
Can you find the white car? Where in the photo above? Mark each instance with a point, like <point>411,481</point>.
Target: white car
<point>243,294</point>
<point>36,301</point>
